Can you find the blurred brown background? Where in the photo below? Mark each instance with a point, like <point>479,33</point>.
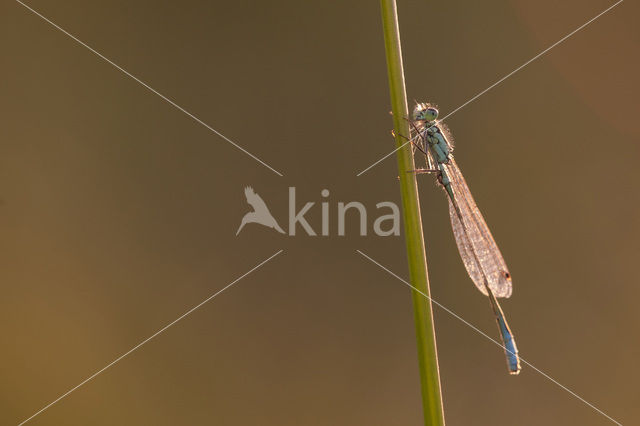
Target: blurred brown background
<point>118,212</point>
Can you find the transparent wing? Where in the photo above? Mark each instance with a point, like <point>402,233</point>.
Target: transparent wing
<point>476,245</point>
<point>466,250</point>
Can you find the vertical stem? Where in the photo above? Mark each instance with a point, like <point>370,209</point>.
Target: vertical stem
<point>422,309</point>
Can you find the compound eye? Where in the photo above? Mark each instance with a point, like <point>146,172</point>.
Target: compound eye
<point>431,114</point>
<point>418,114</point>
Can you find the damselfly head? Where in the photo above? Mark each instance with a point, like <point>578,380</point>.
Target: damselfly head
<point>425,112</point>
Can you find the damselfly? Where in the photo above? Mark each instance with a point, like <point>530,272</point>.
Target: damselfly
<point>476,245</point>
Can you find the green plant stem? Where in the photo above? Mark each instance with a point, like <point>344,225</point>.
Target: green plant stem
<point>422,309</point>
